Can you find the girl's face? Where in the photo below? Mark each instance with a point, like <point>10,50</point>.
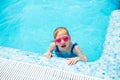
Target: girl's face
<point>62,40</point>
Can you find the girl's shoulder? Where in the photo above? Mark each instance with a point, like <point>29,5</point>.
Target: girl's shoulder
<point>74,44</point>
<point>52,45</point>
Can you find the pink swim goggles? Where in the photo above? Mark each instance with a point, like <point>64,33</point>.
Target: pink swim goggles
<point>64,38</point>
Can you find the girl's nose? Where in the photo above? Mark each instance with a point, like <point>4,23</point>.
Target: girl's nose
<point>62,41</point>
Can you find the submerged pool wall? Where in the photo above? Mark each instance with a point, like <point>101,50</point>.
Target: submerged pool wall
<point>107,67</point>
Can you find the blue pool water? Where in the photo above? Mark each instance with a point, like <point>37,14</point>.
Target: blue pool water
<point>29,25</point>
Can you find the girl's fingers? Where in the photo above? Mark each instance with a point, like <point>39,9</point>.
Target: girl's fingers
<point>71,62</point>
<point>48,55</point>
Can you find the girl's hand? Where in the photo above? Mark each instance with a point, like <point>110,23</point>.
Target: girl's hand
<point>72,61</point>
<point>48,55</point>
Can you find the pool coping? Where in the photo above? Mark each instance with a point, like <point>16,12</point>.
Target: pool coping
<point>14,70</point>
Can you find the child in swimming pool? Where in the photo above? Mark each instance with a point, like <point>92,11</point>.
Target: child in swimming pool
<point>63,47</point>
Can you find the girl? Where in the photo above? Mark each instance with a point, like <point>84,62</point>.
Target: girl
<point>63,47</point>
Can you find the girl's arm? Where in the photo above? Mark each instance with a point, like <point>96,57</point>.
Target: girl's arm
<point>48,54</point>
<point>81,56</point>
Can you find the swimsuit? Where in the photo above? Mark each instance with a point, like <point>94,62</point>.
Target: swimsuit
<point>72,54</point>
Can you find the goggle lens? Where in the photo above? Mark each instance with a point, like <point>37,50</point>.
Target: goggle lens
<point>65,38</point>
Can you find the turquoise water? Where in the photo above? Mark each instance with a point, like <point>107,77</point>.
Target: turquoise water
<point>29,25</point>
